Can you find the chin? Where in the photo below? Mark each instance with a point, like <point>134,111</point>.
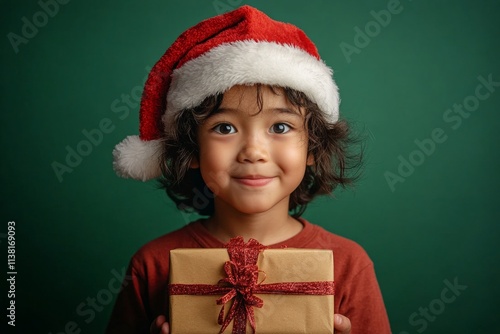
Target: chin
<point>254,207</point>
<point>253,210</point>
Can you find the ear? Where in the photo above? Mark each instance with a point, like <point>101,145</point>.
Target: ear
<point>310,159</point>
<point>194,163</point>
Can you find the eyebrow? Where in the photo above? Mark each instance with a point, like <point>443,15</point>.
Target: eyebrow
<point>286,111</point>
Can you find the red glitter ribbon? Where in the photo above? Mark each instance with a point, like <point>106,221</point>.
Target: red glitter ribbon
<point>241,284</point>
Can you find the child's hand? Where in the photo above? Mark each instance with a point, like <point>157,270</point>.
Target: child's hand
<point>342,324</point>
<point>160,326</point>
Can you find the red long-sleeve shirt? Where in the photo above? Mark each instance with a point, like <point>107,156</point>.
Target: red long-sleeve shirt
<point>144,294</point>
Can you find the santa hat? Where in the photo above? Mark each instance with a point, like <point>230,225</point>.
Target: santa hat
<point>244,47</point>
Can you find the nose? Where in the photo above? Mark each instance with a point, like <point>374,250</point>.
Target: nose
<point>254,149</point>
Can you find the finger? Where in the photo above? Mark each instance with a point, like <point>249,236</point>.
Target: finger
<point>342,324</point>
<point>156,325</point>
<point>165,328</point>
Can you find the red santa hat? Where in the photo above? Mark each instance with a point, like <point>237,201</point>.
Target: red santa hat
<point>244,46</point>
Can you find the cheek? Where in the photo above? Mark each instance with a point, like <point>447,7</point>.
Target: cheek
<point>214,176</point>
<point>214,166</point>
<point>292,157</point>
<point>215,153</point>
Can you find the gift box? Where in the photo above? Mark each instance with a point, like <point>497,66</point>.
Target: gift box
<point>246,288</point>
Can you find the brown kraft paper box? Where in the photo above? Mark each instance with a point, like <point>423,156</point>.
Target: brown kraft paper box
<point>195,314</point>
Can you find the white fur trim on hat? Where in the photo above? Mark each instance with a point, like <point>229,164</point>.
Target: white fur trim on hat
<point>138,159</point>
<point>252,62</point>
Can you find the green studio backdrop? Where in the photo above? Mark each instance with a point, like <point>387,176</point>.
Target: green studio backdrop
<point>419,78</point>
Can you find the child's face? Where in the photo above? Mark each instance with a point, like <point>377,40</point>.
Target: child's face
<point>253,160</point>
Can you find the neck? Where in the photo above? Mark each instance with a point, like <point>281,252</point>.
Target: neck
<point>268,228</point>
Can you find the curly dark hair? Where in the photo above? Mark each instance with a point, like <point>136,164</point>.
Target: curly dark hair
<point>335,163</point>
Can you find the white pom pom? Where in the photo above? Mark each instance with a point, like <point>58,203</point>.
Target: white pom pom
<point>138,159</point>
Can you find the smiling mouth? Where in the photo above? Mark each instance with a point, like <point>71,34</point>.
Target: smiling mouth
<point>254,181</point>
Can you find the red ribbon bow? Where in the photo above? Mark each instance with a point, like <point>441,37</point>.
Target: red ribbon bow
<point>241,284</point>
<point>242,274</point>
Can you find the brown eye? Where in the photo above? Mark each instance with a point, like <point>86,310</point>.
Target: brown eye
<point>224,129</point>
<point>280,128</point>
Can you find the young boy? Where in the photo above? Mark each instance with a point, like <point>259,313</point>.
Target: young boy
<point>242,113</point>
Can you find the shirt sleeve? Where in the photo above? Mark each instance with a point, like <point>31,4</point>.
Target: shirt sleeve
<point>129,315</point>
<point>363,304</point>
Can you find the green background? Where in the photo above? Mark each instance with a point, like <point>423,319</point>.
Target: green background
<point>440,224</point>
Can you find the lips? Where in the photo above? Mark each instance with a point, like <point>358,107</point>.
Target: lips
<point>254,180</point>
